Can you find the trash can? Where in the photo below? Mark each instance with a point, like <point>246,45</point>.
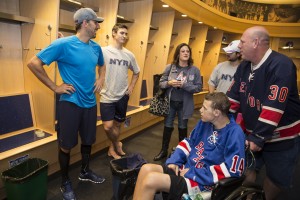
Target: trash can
<point>27,180</point>
<point>124,175</point>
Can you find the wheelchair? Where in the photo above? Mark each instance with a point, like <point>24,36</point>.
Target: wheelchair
<point>234,188</point>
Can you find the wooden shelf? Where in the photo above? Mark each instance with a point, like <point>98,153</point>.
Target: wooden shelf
<point>121,19</point>
<point>154,28</point>
<point>75,5</point>
<point>150,42</point>
<point>224,43</point>
<point>15,18</point>
<point>67,28</point>
<point>294,57</point>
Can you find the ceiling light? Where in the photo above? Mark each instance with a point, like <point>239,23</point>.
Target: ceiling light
<point>183,15</point>
<point>165,6</point>
<point>215,27</point>
<point>200,22</point>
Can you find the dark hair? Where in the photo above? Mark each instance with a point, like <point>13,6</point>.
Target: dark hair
<point>118,26</point>
<point>177,52</point>
<point>78,27</point>
<point>219,101</point>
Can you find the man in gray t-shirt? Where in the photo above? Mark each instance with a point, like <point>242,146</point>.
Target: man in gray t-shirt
<point>116,91</point>
<point>222,75</point>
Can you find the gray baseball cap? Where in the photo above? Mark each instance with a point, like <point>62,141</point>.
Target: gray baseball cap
<point>86,14</point>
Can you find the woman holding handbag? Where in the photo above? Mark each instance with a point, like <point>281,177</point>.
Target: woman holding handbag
<point>181,80</point>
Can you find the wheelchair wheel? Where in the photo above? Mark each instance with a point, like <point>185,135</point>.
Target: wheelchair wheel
<point>243,193</point>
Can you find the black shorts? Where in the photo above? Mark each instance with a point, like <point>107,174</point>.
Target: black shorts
<point>114,111</point>
<point>72,120</point>
<point>178,185</point>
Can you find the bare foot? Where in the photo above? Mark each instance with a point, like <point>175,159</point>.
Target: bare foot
<point>120,150</point>
<point>111,152</point>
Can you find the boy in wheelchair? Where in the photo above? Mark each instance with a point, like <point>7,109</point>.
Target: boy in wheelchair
<point>215,150</point>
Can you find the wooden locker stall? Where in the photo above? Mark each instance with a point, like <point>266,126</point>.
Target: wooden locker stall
<point>197,43</point>
<point>211,54</point>
<point>138,31</point>
<point>37,37</point>
<point>29,27</point>
<point>108,10</point>
<point>226,39</point>
<point>157,53</point>
<point>291,48</point>
<point>180,34</point>
<point>11,49</point>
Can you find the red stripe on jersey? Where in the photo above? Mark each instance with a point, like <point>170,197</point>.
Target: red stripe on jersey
<point>240,121</point>
<point>193,183</point>
<point>183,144</point>
<point>219,172</point>
<point>290,131</point>
<point>234,105</point>
<point>271,115</point>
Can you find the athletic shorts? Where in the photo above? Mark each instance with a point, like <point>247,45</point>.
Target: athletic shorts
<point>114,111</point>
<point>280,165</point>
<point>178,185</point>
<point>72,120</point>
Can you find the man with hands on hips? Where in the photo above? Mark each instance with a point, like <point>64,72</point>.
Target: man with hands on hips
<point>77,57</point>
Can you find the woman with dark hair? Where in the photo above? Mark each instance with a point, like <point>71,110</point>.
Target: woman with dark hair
<point>181,80</point>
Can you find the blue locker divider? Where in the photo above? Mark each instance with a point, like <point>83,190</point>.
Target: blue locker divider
<point>15,113</point>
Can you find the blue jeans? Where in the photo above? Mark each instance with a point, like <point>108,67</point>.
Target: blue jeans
<point>176,107</point>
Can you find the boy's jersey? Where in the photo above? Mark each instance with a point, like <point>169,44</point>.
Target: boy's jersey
<point>210,155</point>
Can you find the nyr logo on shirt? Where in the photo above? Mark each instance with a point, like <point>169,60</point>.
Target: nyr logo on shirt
<point>119,62</point>
<point>226,77</point>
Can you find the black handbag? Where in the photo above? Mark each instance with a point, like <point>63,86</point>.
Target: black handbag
<point>160,104</point>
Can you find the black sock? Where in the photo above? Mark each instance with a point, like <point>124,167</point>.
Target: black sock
<point>64,159</point>
<point>85,153</point>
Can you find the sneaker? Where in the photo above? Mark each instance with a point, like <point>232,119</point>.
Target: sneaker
<point>90,176</point>
<point>67,191</point>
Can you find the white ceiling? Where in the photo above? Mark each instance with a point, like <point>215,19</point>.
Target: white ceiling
<point>275,1</point>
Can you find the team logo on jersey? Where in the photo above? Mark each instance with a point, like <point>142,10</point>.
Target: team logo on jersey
<point>191,77</point>
<point>251,77</point>
<point>212,139</point>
